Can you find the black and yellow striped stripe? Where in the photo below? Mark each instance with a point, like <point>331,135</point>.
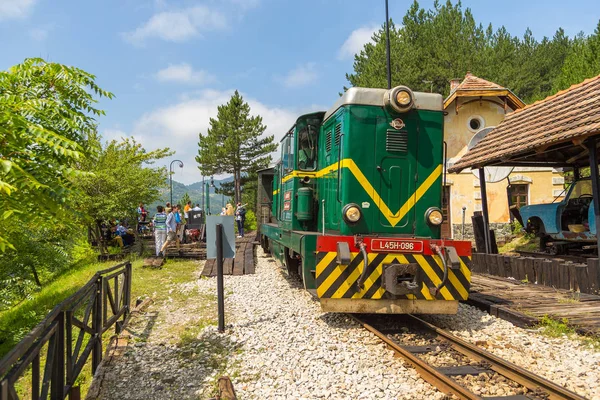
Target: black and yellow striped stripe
<point>340,281</point>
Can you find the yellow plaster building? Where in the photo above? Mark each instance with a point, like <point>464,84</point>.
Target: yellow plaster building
<point>472,106</point>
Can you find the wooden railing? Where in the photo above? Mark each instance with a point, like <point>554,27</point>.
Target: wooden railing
<point>54,353</point>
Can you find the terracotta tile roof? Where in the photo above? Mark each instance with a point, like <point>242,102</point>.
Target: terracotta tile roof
<point>472,82</point>
<point>474,86</point>
<point>568,115</point>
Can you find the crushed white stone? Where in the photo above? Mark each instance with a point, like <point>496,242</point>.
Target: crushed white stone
<point>280,345</point>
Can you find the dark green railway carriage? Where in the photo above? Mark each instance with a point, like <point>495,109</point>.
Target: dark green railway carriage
<point>355,206</point>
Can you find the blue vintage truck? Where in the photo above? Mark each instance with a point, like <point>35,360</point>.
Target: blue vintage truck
<point>563,224</point>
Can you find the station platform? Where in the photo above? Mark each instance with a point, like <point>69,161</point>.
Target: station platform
<point>525,304</point>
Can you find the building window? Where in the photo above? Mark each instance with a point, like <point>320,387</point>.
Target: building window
<point>475,123</point>
<point>519,195</point>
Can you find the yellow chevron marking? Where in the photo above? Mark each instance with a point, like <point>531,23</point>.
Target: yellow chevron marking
<point>275,192</point>
<point>325,262</point>
<point>454,280</point>
<point>330,280</point>
<point>465,270</point>
<point>425,292</point>
<point>351,280</point>
<point>393,218</point>
<point>433,276</point>
<point>298,174</point>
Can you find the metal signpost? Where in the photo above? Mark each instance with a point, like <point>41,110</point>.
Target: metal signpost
<point>220,244</point>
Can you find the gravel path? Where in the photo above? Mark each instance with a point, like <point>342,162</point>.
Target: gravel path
<point>279,345</point>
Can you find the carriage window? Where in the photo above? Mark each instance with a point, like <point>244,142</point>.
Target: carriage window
<point>307,148</point>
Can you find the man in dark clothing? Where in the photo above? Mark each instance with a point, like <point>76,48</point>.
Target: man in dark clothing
<point>240,218</point>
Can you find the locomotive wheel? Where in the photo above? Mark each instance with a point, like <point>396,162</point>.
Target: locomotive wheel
<point>264,243</point>
<point>292,265</point>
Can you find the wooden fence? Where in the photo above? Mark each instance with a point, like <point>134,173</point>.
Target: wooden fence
<point>557,273</point>
<point>56,350</point>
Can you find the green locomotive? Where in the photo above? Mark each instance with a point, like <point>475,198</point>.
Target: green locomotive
<point>353,206</point>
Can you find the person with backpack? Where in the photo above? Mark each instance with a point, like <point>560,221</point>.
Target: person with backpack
<point>240,218</point>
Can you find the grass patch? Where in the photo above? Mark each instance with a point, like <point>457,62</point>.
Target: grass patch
<point>158,284</point>
<point>522,242</point>
<point>556,328</point>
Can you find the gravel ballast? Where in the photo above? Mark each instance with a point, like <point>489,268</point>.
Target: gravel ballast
<point>280,345</point>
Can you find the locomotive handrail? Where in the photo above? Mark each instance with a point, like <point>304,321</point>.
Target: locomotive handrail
<point>53,374</point>
<point>339,171</point>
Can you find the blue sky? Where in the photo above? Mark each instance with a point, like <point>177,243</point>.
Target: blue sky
<point>171,62</point>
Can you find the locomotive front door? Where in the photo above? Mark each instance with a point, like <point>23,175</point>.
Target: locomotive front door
<point>395,157</point>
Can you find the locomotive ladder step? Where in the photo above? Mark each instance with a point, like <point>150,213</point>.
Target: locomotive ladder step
<point>464,370</point>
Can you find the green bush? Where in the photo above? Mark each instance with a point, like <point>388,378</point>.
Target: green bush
<point>250,224</point>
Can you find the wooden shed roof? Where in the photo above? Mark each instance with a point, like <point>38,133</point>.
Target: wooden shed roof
<point>548,132</point>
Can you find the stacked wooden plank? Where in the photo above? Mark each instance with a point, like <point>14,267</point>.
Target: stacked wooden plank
<point>242,264</point>
<point>524,304</point>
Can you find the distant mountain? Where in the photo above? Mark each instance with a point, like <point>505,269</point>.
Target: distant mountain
<point>195,192</point>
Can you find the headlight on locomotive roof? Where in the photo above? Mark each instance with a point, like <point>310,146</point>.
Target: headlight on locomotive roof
<point>399,99</point>
<point>403,98</point>
<point>351,213</point>
<point>434,216</point>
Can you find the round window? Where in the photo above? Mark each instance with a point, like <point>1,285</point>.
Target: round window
<point>475,123</point>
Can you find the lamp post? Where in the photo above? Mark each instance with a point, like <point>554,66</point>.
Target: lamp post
<point>171,176</point>
<point>202,195</point>
<point>212,184</point>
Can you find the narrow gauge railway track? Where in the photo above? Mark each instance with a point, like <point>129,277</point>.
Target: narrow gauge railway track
<point>566,257</point>
<point>478,361</point>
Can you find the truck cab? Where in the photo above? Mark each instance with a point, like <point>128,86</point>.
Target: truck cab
<point>569,220</point>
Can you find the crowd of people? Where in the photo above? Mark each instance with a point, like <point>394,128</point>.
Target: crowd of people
<point>240,216</point>
<point>169,224</point>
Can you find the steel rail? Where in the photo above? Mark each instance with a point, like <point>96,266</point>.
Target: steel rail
<point>429,373</point>
<point>448,385</point>
<point>514,372</point>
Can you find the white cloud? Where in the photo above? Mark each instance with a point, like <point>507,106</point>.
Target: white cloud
<point>15,8</point>
<point>184,73</point>
<point>178,26</point>
<point>38,34</point>
<point>301,75</point>
<point>177,126</point>
<point>356,41</point>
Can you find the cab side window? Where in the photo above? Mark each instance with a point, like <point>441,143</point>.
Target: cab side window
<point>287,155</point>
<point>307,148</point>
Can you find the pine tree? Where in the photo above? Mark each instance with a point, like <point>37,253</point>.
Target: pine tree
<point>234,143</point>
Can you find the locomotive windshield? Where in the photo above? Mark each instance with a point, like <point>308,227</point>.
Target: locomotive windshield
<point>307,146</point>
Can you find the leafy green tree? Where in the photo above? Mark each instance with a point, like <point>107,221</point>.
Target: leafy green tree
<point>234,143</point>
<point>47,112</point>
<point>582,62</point>
<point>433,46</point>
<point>184,199</point>
<point>121,176</point>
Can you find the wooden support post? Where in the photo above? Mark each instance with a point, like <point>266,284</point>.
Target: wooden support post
<point>226,390</point>
<point>537,270</point>
<point>484,209</point>
<point>593,275</point>
<point>591,145</point>
<point>546,273</point>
